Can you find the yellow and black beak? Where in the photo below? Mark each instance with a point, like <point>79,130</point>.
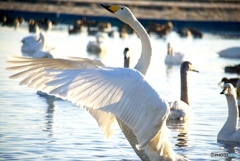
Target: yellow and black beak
<point>111,8</point>
<point>194,70</point>
<point>224,90</point>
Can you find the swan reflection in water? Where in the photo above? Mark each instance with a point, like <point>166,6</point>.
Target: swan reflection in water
<point>181,127</point>
<point>49,113</point>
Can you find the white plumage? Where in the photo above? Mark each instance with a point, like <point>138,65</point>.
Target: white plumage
<point>108,94</point>
<point>179,110</point>
<point>31,44</point>
<point>99,45</point>
<point>230,131</point>
<point>173,58</point>
<point>42,54</point>
<point>125,15</point>
<point>107,89</point>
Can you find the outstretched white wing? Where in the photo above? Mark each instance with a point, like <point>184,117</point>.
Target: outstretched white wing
<point>104,92</point>
<point>120,91</point>
<point>32,70</point>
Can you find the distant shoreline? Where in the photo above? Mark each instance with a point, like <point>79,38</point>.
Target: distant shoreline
<point>220,23</point>
<point>141,9</point>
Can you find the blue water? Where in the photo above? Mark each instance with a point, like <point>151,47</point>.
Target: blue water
<point>43,128</point>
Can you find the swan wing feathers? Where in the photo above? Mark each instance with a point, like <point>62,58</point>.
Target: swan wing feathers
<point>106,121</point>
<point>120,91</point>
<point>70,63</point>
<point>32,70</point>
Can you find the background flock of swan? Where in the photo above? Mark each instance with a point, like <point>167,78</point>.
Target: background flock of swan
<point>120,96</point>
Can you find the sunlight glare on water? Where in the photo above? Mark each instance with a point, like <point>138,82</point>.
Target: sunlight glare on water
<point>44,128</point>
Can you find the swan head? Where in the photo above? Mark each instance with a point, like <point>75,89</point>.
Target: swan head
<point>121,12</point>
<point>187,66</point>
<point>229,90</point>
<point>126,52</point>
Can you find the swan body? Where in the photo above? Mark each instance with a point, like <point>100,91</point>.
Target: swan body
<point>180,109</point>
<point>29,39</point>
<point>233,52</point>
<point>173,58</point>
<point>230,131</point>
<point>108,94</point>
<point>42,54</point>
<point>98,46</point>
<point>31,44</point>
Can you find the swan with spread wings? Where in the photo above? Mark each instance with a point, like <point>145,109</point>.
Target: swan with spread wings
<point>108,94</point>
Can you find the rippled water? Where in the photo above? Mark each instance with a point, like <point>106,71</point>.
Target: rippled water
<point>41,128</point>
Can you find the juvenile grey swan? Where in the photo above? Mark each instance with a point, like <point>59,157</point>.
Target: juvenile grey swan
<point>180,109</point>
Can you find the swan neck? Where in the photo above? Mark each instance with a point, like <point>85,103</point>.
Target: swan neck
<point>42,41</point>
<point>232,120</point>
<point>184,86</point>
<point>169,50</point>
<point>126,62</point>
<point>145,58</point>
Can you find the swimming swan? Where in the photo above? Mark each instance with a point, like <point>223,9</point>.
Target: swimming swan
<point>232,52</point>
<point>173,58</point>
<point>230,131</point>
<point>31,44</point>
<point>104,92</point>
<point>99,45</point>
<point>180,109</point>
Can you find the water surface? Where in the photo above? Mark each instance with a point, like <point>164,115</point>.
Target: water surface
<point>43,128</point>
